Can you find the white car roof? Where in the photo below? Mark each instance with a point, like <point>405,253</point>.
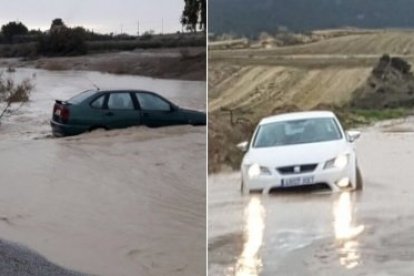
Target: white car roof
<point>297,116</point>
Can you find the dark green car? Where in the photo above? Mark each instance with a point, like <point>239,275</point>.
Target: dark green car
<point>91,110</point>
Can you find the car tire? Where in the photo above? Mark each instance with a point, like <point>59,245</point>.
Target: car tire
<point>359,182</point>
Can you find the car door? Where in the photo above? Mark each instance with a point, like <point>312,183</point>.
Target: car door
<point>121,111</point>
<point>94,116</point>
<point>156,111</point>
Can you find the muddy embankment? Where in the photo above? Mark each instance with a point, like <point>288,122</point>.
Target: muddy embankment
<point>122,202</point>
<point>175,63</point>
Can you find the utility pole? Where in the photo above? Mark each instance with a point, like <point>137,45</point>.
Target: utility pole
<point>162,25</point>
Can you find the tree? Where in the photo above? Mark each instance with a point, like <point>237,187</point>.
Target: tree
<point>62,40</point>
<point>57,23</point>
<point>203,14</point>
<point>194,13</point>
<point>13,28</point>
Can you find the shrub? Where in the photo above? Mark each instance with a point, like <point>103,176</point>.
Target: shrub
<point>10,92</point>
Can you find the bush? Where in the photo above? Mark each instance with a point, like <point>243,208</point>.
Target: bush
<point>27,50</point>
<point>10,92</point>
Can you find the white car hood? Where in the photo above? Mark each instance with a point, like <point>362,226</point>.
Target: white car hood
<point>310,153</point>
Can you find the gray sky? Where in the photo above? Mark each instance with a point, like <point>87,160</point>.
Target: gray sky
<point>100,15</point>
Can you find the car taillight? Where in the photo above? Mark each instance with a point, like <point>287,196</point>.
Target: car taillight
<point>64,114</point>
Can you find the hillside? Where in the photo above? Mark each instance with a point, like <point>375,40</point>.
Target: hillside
<point>264,88</point>
<point>249,17</point>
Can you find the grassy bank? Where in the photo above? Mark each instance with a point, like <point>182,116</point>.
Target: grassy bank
<point>30,49</point>
<point>351,118</point>
<point>129,45</point>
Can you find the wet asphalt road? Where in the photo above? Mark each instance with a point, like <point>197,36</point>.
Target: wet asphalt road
<point>365,233</point>
<point>17,260</point>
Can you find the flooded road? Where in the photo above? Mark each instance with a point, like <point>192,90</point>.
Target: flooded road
<point>123,202</point>
<point>366,233</point>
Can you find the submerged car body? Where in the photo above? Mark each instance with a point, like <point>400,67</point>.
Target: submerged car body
<point>113,109</point>
<point>300,149</point>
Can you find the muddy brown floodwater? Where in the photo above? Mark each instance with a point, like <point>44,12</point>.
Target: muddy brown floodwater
<point>123,202</point>
<point>365,233</point>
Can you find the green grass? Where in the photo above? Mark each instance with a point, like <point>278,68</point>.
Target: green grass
<point>384,114</point>
<point>359,117</point>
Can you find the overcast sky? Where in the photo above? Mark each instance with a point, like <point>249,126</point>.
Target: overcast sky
<point>100,15</point>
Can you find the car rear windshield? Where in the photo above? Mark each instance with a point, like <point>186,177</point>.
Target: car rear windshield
<point>297,132</point>
<point>81,97</point>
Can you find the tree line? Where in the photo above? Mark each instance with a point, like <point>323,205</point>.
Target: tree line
<point>58,40</point>
<point>251,17</point>
<point>63,40</point>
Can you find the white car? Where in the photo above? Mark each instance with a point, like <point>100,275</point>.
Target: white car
<point>300,149</point>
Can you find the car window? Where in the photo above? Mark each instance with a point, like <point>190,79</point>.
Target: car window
<point>81,97</point>
<point>120,101</point>
<point>152,102</point>
<point>297,132</point>
<point>98,103</point>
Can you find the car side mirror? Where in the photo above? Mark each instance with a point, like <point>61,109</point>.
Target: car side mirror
<point>243,146</point>
<point>353,135</point>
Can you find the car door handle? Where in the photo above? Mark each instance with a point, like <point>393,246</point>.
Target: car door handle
<point>109,114</point>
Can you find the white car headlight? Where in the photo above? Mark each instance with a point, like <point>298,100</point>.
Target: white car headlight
<point>256,170</point>
<point>339,162</point>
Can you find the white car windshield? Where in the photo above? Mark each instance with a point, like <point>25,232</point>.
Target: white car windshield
<point>297,132</point>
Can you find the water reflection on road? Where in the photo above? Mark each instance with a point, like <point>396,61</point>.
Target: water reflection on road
<point>346,232</point>
<point>249,262</point>
<point>274,226</point>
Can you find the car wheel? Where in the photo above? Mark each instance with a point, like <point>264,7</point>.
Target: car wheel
<point>359,181</point>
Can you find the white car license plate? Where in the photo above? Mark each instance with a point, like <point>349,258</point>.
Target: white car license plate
<point>297,181</point>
